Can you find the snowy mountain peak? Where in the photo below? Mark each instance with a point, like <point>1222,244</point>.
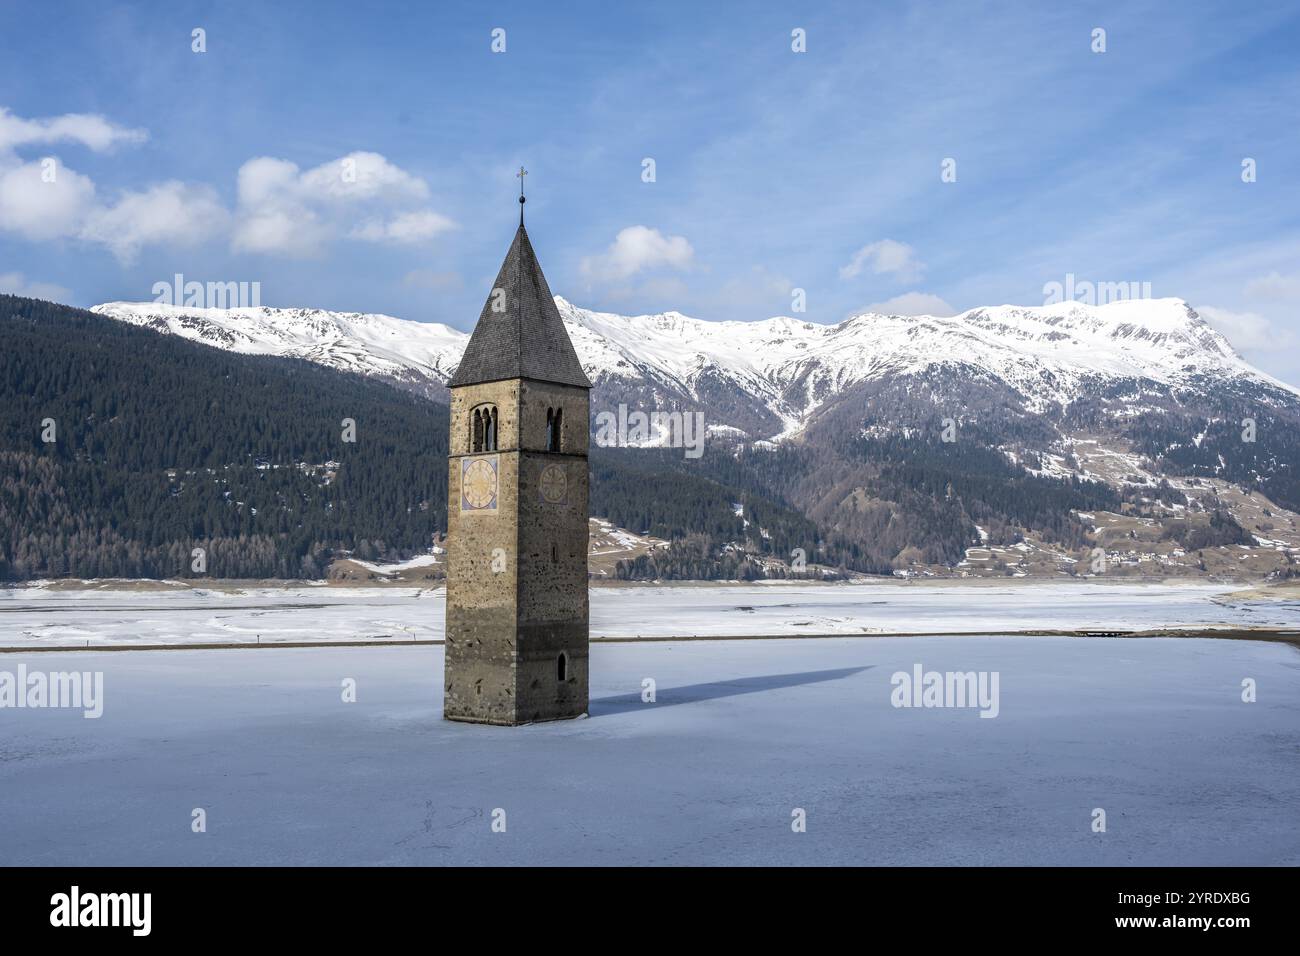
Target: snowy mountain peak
<point>1048,354</point>
<point>419,355</point>
<point>781,369</point>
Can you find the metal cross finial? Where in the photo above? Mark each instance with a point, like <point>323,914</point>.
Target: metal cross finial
<point>521,174</point>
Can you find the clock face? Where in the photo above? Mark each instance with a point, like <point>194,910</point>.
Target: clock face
<point>554,484</point>
<point>478,484</point>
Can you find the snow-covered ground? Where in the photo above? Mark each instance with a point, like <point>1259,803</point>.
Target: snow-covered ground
<point>766,609</point>
<point>38,616</point>
<point>743,733</point>
<point>419,561</point>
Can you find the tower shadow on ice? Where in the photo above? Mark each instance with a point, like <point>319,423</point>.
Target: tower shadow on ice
<point>715,690</point>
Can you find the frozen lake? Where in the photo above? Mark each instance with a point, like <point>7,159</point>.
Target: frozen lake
<point>69,618</point>
<point>1153,731</point>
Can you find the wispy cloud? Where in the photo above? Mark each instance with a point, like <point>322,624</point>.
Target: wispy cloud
<point>1247,331</point>
<point>85,129</point>
<point>885,257</point>
<point>912,303</point>
<point>635,250</point>
<point>407,227</point>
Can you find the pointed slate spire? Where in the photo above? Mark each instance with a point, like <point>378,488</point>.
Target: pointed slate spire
<point>520,333</point>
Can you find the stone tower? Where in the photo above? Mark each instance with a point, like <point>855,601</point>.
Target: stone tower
<point>517,610</point>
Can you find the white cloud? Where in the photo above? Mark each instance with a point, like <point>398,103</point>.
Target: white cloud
<point>283,210</point>
<point>1274,287</point>
<point>172,212</point>
<point>280,208</point>
<point>636,249</point>
<point>14,283</point>
<point>1248,324</point>
<point>364,176</point>
<point>265,180</point>
<point>275,213</point>
<point>296,233</point>
<point>68,208</point>
<point>40,210</point>
<point>885,257</point>
<point>86,129</point>
<point>408,227</point>
<point>44,199</point>
<point>912,303</point>
<point>1246,331</point>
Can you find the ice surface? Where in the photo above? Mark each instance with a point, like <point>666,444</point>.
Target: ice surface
<point>44,616</point>
<point>1151,730</point>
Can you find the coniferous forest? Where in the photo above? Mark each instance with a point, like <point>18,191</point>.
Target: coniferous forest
<point>159,446</point>
<point>122,451</point>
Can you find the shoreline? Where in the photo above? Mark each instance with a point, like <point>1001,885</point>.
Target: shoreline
<point>172,585</point>
<point>1267,634</point>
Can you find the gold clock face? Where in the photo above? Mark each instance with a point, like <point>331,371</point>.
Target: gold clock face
<point>554,484</point>
<point>478,484</point>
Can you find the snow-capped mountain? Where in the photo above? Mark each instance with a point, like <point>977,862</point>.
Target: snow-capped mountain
<point>1050,355</point>
<point>771,377</point>
<point>1004,440</point>
<point>420,356</point>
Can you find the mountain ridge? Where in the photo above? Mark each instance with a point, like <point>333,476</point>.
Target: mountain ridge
<point>783,369</point>
<point>919,458</point>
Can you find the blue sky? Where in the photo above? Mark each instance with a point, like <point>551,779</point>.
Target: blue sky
<point>774,170</point>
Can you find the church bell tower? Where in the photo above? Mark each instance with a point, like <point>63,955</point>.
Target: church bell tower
<point>517,610</point>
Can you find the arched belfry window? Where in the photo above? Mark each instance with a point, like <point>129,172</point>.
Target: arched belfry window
<point>483,429</point>
<point>554,423</point>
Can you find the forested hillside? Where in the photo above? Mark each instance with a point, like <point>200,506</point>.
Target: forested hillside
<point>719,515</point>
<point>123,450</point>
<point>162,446</point>
<point>859,503</point>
